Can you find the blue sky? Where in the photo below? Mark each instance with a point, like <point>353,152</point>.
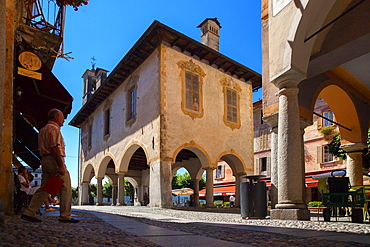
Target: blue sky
<point>106,30</point>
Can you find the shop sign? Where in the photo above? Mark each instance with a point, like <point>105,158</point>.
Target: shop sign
<point>31,62</point>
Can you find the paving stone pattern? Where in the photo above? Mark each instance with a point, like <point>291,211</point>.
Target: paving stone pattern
<point>90,231</point>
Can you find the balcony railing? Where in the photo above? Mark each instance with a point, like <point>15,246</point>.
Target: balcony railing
<point>45,15</point>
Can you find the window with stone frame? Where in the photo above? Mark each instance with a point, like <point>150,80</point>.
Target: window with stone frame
<point>107,122</point>
<point>264,164</point>
<point>220,171</point>
<point>231,91</point>
<point>192,91</point>
<point>232,106</point>
<point>327,157</point>
<point>131,113</point>
<point>328,115</point>
<point>192,88</point>
<point>89,136</point>
<point>323,155</point>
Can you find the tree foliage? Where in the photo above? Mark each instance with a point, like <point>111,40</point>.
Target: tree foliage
<point>74,193</point>
<point>180,181</point>
<point>129,189</point>
<point>335,149</point>
<point>107,190</point>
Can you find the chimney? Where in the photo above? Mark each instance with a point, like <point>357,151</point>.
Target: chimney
<point>210,33</point>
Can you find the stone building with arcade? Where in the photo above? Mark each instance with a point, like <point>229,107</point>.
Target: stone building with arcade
<point>171,102</point>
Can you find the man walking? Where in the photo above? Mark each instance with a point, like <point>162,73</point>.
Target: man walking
<point>52,151</point>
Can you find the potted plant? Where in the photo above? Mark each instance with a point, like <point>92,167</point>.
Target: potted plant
<point>74,3</point>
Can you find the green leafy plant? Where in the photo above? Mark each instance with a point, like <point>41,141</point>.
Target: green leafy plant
<point>74,3</point>
<point>328,132</point>
<point>335,149</point>
<point>315,204</point>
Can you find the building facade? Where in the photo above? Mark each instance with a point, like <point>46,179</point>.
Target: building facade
<point>30,41</point>
<point>171,102</point>
<point>313,49</point>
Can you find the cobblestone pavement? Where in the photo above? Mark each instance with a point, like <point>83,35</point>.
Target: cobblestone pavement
<point>90,231</point>
<point>93,231</point>
<point>234,235</point>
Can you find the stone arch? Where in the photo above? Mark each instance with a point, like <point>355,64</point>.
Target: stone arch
<point>345,112</point>
<point>198,151</point>
<point>132,181</point>
<point>130,149</point>
<point>88,173</point>
<point>235,162</point>
<point>103,164</point>
<point>315,15</point>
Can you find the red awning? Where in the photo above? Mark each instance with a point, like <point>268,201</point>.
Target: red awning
<point>309,183</point>
<point>220,191</point>
<point>37,97</point>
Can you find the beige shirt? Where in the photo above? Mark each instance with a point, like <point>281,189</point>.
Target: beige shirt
<point>50,136</point>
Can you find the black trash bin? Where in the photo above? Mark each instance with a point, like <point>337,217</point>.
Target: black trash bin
<point>253,197</point>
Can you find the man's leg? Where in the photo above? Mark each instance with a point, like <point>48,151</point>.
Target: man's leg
<point>38,198</point>
<point>65,195</point>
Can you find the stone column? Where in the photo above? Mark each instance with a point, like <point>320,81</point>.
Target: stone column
<point>290,173</point>
<point>196,192</point>
<point>354,162</point>
<point>160,191</point>
<point>114,194</point>
<point>99,200</point>
<point>272,120</point>
<point>209,187</point>
<point>8,24</point>
<point>84,193</point>
<point>121,190</point>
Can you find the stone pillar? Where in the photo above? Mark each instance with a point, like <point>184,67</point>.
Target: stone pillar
<point>8,22</point>
<point>84,193</point>
<point>99,200</point>
<point>354,162</point>
<point>196,192</point>
<point>160,191</point>
<point>114,194</point>
<point>272,120</point>
<point>209,187</point>
<point>290,173</point>
<point>121,190</point>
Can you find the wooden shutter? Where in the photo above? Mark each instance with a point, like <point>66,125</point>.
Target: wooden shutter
<point>319,157</point>
<point>268,161</point>
<point>319,122</point>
